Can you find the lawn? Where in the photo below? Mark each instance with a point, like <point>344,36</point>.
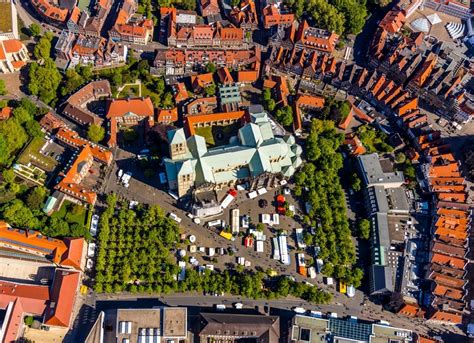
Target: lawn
<point>206,132</point>
<point>129,91</point>
<point>218,135</point>
<point>66,213</point>
<point>6,17</point>
<point>32,154</point>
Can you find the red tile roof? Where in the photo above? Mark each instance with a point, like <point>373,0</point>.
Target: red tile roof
<point>5,113</point>
<point>67,252</point>
<point>73,139</point>
<point>192,120</point>
<point>140,106</point>
<point>63,295</point>
<point>168,116</point>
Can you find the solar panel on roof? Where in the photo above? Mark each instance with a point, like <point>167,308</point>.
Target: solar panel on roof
<point>349,329</point>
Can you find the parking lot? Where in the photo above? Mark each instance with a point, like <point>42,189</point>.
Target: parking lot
<point>148,191</point>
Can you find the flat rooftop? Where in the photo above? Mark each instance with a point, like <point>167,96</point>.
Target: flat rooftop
<point>174,322</point>
<point>6,17</point>
<point>161,322</point>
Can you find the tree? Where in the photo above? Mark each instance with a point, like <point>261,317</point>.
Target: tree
<point>95,133</point>
<point>354,13</point>
<point>36,198</point>
<point>211,67</point>
<point>400,157</point>
<point>33,129</point>
<point>42,49</point>
<point>210,90</point>
<point>21,115</point>
<point>28,320</point>
<point>17,214</point>
<point>3,89</point>
<point>35,30</point>
<point>15,137</point>
<point>364,228</point>
<point>260,227</point>
<point>44,81</point>
<point>355,182</point>
<point>284,115</point>
<point>72,81</point>
<point>30,106</point>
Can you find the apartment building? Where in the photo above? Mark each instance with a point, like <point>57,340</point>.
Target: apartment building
<point>315,38</point>
<point>184,61</point>
<point>244,15</point>
<point>276,13</point>
<point>129,28</point>
<point>89,21</point>
<point>50,11</point>
<point>76,105</point>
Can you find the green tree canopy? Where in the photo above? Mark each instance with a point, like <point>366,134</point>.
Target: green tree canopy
<point>35,30</point>
<point>44,80</point>
<point>284,115</point>
<point>42,49</point>
<point>210,90</point>
<point>21,115</point>
<point>3,88</point>
<point>363,227</point>
<point>36,197</point>
<point>95,133</point>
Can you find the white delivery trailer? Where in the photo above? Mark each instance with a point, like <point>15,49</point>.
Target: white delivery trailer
<point>275,219</point>
<point>259,246</point>
<point>265,218</point>
<point>252,195</point>
<point>276,249</point>
<point>261,191</point>
<point>235,220</point>
<point>213,223</point>
<point>227,200</point>
<point>300,239</point>
<point>284,256</point>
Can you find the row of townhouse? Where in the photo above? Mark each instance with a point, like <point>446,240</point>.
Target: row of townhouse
<point>131,29</point>
<point>72,50</point>
<point>185,61</point>
<point>449,247</point>
<point>180,29</point>
<point>440,75</point>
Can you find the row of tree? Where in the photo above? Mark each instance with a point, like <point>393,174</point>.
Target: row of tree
<point>318,183</point>
<point>136,251</point>
<point>340,16</point>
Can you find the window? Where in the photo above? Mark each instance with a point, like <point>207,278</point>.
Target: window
<point>305,334</point>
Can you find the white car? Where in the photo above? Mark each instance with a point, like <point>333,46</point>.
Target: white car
<point>299,310</point>
<point>94,224</point>
<point>238,306</point>
<point>174,217</point>
<point>286,191</point>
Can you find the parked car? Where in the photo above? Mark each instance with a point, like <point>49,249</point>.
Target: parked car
<point>174,217</point>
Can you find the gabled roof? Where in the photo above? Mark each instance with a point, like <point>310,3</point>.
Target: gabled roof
<point>63,295</point>
<point>139,106</point>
